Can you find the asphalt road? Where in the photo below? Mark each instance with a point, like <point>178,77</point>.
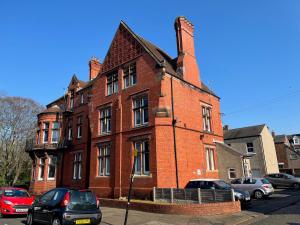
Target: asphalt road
<point>281,208</point>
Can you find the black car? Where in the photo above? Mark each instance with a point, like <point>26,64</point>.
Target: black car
<point>242,196</point>
<point>63,206</point>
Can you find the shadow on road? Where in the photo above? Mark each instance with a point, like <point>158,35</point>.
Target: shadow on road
<point>280,199</point>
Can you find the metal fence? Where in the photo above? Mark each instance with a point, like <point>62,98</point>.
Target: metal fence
<point>192,196</point>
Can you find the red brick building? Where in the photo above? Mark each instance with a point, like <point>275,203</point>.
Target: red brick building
<point>138,98</point>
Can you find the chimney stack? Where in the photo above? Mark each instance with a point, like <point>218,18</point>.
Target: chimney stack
<point>273,134</point>
<point>95,67</point>
<point>226,127</point>
<point>186,60</point>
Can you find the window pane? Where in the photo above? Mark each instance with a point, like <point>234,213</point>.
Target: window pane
<point>207,159</point>
<point>146,158</point>
<point>107,166</point>
<point>137,117</point>
<point>212,163</point>
<point>145,115</point>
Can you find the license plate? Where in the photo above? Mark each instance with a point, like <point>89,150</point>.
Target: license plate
<point>83,221</point>
<point>21,210</point>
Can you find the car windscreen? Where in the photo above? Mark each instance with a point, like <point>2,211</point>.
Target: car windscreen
<point>16,193</point>
<point>82,200</point>
<point>223,185</point>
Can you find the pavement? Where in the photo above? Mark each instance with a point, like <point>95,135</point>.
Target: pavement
<point>281,208</point>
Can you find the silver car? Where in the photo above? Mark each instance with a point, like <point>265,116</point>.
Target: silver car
<point>257,187</point>
<point>283,180</point>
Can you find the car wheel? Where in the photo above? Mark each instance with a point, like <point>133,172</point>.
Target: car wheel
<point>296,186</point>
<point>56,221</point>
<point>258,194</point>
<point>29,219</point>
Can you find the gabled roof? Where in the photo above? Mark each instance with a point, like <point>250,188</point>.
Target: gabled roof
<point>161,57</point>
<point>290,137</point>
<point>228,148</point>
<point>52,109</point>
<point>75,80</point>
<point>243,132</point>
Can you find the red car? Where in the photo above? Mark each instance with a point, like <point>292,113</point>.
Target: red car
<point>14,201</point>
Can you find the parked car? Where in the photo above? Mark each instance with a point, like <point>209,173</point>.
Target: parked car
<point>283,180</point>
<point>14,201</point>
<point>257,187</point>
<point>63,206</point>
<point>240,195</point>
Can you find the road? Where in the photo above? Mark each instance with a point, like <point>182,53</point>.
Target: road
<point>281,208</point>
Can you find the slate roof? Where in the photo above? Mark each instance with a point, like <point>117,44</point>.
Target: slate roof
<point>52,109</point>
<point>243,132</point>
<point>161,56</point>
<point>279,138</point>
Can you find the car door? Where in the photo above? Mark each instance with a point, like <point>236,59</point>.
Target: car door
<point>281,181</point>
<point>41,207</point>
<point>237,184</point>
<point>249,185</point>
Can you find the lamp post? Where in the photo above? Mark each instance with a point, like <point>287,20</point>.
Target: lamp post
<point>135,153</point>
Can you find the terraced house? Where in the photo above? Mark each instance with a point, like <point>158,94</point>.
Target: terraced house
<point>137,98</point>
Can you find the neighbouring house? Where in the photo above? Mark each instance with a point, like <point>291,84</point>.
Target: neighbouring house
<point>288,153</point>
<point>232,163</point>
<point>257,144</point>
<point>139,99</point>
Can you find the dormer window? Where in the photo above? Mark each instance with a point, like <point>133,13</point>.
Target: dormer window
<point>129,75</point>
<point>112,83</point>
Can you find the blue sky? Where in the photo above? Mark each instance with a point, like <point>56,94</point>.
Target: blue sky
<point>248,51</point>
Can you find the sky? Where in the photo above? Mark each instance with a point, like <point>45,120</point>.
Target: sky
<point>248,51</point>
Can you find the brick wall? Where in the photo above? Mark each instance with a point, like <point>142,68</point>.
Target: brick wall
<point>177,209</point>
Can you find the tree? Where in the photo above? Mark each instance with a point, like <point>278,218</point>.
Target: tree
<point>17,124</point>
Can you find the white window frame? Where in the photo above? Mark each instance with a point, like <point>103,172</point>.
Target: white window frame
<point>52,159</point>
<point>232,170</point>
<point>296,140</point>
<point>55,130</point>
<point>70,131</point>
<point>81,98</point>
<point>45,129</point>
<point>42,162</point>
<point>210,158</point>
<point>79,127</point>
<point>77,166</point>
<point>112,83</point>
<point>140,109</point>
<point>250,147</point>
<point>72,100</point>
<point>142,159</point>
<point>206,118</point>
<point>105,115</point>
<point>129,76</point>
<point>104,160</point>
